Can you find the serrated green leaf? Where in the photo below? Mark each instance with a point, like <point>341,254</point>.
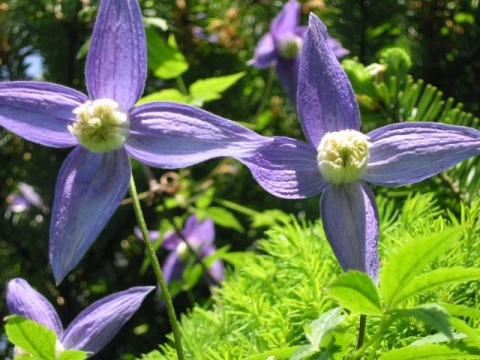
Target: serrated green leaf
<point>433,352</point>
<point>73,355</point>
<point>278,354</point>
<point>410,260</point>
<point>164,58</point>
<point>461,326</point>
<point>432,314</point>
<point>325,324</point>
<point>223,217</point>
<point>461,310</point>
<point>34,338</point>
<point>436,338</point>
<point>210,89</point>
<point>304,352</point>
<point>164,95</point>
<point>357,292</point>
<point>437,278</point>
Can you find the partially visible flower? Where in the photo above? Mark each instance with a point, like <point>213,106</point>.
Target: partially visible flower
<point>281,47</point>
<point>200,237</point>
<point>153,234</point>
<point>91,330</point>
<point>18,203</point>
<point>338,160</point>
<point>106,129</point>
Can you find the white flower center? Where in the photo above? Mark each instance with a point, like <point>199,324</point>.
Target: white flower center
<point>183,251</point>
<point>289,46</point>
<point>343,156</point>
<point>101,125</point>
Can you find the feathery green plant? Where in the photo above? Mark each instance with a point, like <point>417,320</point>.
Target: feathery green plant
<point>264,306</point>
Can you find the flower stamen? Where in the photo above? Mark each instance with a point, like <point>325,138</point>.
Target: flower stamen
<point>101,125</point>
<point>343,156</point>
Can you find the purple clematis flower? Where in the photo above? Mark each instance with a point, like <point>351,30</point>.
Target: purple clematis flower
<point>28,197</point>
<point>200,236</point>
<point>106,129</point>
<point>338,159</point>
<point>282,44</point>
<point>92,329</point>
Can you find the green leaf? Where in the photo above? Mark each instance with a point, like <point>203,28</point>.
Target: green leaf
<point>356,291</point>
<point>160,23</point>
<point>436,338</point>
<point>73,355</point>
<point>164,58</point>
<point>223,218</point>
<point>437,278</point>
<point>34,338</point>
<point>278,354</point>
<point>461,310</point>
<point>316,332</point>
<point>210,89</point>
<point>325,324</point>
<point>461,326</point>
<point>432,352</point>
<point>410,260</point>
<point>304,352</point>
<point>164,95</point>
<point>432,314</point>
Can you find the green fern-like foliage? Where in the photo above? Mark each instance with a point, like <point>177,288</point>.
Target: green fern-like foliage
<point>388,94</point>
<point>265,304</point>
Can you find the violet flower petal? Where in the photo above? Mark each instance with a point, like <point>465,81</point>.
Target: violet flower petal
<point>287,168</point>
<point>30,194</point>
<point>154,234</point>
<point>25,301</point>
<point>217,269</point>
<point>40,112</point>
<point>406,153</point>
<point>172,268</point>
<point>338,50</point>
<point>350,220</point>
<point>89,189</point>
<point>287,20</point>
<point>117,60</point>
<point>171,240</point>
<point>326,101</point>
<point>171,135</point>
<point>95,326</point>
<point>199,232</point>
<point>265,53</point>
<point>17,203</point>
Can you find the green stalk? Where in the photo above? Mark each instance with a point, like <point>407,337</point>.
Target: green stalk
<point>361,331</point>
<point>158,271</point>
<point>374,341</point>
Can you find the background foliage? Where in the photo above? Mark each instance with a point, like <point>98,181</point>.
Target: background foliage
<point>48,40</point>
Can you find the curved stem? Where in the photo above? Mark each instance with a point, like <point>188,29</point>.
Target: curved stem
<point>158,271</point>
<point>361,331</point>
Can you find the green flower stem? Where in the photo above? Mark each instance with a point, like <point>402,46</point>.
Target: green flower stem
<point>181,85</point>
<point>158,271</point>
<point>361,331</point>
<point>374,341</point>
<point>266,92</point>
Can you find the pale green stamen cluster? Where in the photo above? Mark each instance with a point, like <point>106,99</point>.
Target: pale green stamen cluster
<point>101,125</point>
<point>290,47</point>
<point>343,156</point>
<point>183,251</point>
